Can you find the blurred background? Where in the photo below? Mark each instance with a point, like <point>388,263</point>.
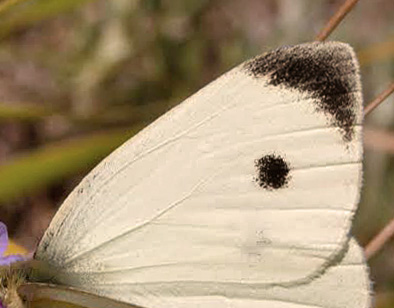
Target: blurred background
<point>79,77</point>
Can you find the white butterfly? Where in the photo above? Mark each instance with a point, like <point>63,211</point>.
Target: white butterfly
<point>242,196</point>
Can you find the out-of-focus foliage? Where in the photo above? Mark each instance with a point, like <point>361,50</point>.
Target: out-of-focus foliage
<point>75,75</point>
<point>17,14</point>
<point>49,164</point>
<point>21,112</point>
<point>382,52</point>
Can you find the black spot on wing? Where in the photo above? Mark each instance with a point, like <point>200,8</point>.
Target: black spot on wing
<point>272,172</point>
<point>327,72</point>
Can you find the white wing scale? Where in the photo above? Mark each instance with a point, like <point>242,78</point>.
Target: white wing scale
<point>179,203</point>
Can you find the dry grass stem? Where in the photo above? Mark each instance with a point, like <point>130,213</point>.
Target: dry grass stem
<point>336,19</point>
<point>379,240</point>
<point>379,99</point>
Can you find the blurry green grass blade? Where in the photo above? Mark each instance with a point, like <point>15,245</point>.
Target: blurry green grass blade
<point>7,4</point>
<point>118,115</point>
<point>23,112</point>
<point>51,164</point>
<point>17,14</point>
<point>380,52</point>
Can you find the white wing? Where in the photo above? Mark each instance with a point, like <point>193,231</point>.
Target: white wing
<point>42,295</point>
<point>252,181</point>
<point>345,284</point>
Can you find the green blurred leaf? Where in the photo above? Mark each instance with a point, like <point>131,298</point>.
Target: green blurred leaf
<point>55,162</point>
<point>23,112</point>
<point>7,4</point>
<point>380,52</point>
<point>17,14</point>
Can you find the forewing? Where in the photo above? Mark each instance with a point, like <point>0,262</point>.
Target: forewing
<point>252,181</point>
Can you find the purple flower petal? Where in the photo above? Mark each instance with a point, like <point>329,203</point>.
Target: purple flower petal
<point>3,238</point>
<point>7,260</point>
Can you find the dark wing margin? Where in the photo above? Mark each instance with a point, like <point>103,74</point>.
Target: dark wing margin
<point>327,72</point>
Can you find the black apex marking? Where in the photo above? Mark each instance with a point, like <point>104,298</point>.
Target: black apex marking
<point>272,172</point>
<point>328,72</point>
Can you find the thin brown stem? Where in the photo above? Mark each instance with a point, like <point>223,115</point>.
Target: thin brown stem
<point>379,240</point>
<point>336,19</point>
<point>379,99</point>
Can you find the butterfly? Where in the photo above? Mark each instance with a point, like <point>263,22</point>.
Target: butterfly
<point>241,196</point>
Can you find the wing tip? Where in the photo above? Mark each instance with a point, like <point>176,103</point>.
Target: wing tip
<point>325,71</point>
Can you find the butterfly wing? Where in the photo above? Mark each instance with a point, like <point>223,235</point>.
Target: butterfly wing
<point>253,182</point>
<point>344,284</point>
<point>42,295</point>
